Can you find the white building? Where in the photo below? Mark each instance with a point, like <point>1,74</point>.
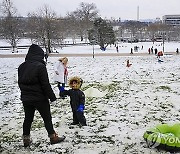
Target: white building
<point>173,20</point>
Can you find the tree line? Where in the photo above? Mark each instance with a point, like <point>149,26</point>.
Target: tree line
<point>49,30</point>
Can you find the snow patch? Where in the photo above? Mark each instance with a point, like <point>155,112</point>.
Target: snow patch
<point>94,92</point>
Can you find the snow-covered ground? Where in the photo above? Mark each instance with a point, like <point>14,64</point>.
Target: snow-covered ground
<point>137,98</point>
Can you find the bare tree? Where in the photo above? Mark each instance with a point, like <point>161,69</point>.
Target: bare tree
<point>10,24</point>
<point>44,28</point>
<point>174,33</point>
<point>73,26</point>
<point>1,30</point>
<point>135,29</point>
<point>84,17</point>
<point>158,31</point>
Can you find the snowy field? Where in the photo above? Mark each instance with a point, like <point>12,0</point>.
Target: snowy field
<point>137,98</point>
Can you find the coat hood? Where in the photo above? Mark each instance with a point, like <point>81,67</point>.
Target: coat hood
<point>78,80</point>
<point>35,52</point>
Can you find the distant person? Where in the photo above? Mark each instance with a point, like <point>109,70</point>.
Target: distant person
<point>131,51</point>
<point>128,64</point>
<point>152,49</point>
<point>159,54</point>
<point>177,51</point>
<point>117,48</point>
<point>46,56</point>
<point>36,91</point>
<point>136,48</point>
<point>77,100</point>
<point>149,50</point>
<point>61,73</point>
<point>155,51</point>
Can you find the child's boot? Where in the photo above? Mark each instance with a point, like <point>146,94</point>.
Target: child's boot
<point>61,89</point>
<point>55,139</point>
<point>82,124</point>
<point>26,140</point>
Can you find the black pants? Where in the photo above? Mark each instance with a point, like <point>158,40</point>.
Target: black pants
<point>59,86</point>
<point>44,110</point>
<point>78,117</point>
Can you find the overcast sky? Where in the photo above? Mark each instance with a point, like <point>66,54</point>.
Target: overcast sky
<point>124,9</point>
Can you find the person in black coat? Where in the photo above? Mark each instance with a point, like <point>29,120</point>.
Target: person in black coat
<point>177,51</point>
<point>36,91</point>
<point>77,100</point>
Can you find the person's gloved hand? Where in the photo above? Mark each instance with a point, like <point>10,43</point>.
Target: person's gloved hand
<point>81,108</point>
<point>61,89</point>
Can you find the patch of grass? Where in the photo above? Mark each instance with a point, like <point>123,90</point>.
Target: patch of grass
<point>37,124</point>
<point>164,88</point>
<point>89,100</point>
<point>57,124</point>
<point>146,82</point>
<point>55,111</point>
<point>8,137</point>
<point>101,128</point>
<point>114,120</point>
<point>100,139</point>
<point>113,87</point>
<point>95,85</point>
<point>93,109</point>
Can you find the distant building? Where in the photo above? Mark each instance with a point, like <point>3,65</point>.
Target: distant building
<point>173,20</point>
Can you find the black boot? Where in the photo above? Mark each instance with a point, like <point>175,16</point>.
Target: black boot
<point>74,123</point>
<point>61,96</point>
<point>82,124</point>
<point>26,140</point>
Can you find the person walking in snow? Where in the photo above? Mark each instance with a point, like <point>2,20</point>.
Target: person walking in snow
<point>46,56</point>
<point>61,73</point>
<point>152,49</point>
<point>131,51</point>
<point>36,91</point>
<point>77,100</point>
<point>155,51</point>
<point>159,54</point>
<point>128,63</point>
<point>117,49</point>
<point>177,51</point>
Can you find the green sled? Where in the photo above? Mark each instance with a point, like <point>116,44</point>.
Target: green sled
<point>164,136</point>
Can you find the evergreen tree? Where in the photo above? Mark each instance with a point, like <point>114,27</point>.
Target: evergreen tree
<point>102,33</point>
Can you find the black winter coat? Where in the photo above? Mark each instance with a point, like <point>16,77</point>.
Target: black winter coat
<point>33,78</point>
<point>77,97</point>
